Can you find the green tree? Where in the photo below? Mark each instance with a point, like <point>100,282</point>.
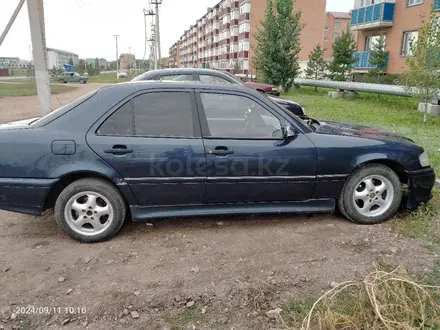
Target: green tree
<point>379,57</point>
<point>70,61</point>
<point>90,69</point>
<point>236,67</point>
<point>343,57</point>
<point>31,71</point>
<point>81,66</point>
<point>97,67</point>
<point>278,43</point>
<point>54,71</point>
<point>316,65</point>
<point>422,78</point>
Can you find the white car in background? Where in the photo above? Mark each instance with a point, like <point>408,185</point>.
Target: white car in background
<point>122,74</point>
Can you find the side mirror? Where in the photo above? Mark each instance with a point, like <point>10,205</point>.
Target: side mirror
<point>288,133</point>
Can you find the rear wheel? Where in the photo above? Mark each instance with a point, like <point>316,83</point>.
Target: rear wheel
<point>90,210</point>
<point>82,81</point>
<point>371,195</point>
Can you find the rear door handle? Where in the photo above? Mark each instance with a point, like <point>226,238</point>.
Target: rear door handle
<point>118,150</point>
<point>220,151</point>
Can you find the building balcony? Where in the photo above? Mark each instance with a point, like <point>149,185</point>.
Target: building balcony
<point>374,16</point>
<point>245,17</point>
<point>436,5</point>
<point>363,61</point>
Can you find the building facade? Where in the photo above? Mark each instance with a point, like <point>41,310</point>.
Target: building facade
<point>127,61</point>
<point>335,24</point>
<point>398,21</point>
<point>225,36</point>
<point>174,56</point>
<point>13,63</point>
<point>57,58</point>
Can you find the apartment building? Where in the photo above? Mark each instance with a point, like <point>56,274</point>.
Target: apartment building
<point>174,56</point>
<point>224,36</point>
<point>335,24</point>
<point>397,20</point>
<point>58,58</point>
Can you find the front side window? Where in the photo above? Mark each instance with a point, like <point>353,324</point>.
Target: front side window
<point>160,114</point>
<point>238,117</point>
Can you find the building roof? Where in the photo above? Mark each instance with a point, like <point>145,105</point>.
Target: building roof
<point>61,51</point>
<point>340,15</point>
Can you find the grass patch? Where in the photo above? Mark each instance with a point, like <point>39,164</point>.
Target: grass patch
<point>383,300</point>
<point>185,318</point>
<point>385,112</point>
<point>422,223</point>
<point>109,78</point>
<point>29,89</point>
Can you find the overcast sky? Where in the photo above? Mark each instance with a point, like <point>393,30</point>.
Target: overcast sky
<point>86,27</point>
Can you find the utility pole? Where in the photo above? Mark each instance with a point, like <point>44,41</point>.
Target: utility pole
<point>11,21</point>
<point>38,35</point>
<point>158,56</point>
<point>117,56</point>
<point>147,13</point>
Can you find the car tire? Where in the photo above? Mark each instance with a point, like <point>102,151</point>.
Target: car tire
<point>82,81</point>
<point>371,195</point>
<point>90,210</point>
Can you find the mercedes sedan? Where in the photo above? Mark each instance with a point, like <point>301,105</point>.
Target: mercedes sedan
<point>145,150</point>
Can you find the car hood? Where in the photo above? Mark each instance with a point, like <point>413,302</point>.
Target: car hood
<point>255,85</point>
<point>283,101</point>
<point>337,128</point>
<point>21,124</point>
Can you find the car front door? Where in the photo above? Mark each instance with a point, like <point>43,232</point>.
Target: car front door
<point>154,141</point>
<point>247,157</point>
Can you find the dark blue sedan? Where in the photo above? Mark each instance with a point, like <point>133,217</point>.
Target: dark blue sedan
<point>157,149</point>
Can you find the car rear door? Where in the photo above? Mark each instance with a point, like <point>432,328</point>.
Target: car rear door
<point>154,141</point>
<point>248,159</point>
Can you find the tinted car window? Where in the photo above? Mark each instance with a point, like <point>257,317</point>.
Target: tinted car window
<point>177,77</point>
<point>120,123</point>
<point>213,79</point>
<point>164,114</point>
<point>233,116</point>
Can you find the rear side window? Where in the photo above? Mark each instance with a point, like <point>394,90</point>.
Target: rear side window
<point>119,123</point>
<point>161,114</point>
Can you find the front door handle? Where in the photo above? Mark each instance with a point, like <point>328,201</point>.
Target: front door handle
<point>118,150</point>
<point>220,151</point>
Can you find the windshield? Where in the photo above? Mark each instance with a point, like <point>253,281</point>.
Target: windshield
<point>60,111</point>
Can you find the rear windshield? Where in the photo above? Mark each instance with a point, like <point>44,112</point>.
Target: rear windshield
<point>61,111</point>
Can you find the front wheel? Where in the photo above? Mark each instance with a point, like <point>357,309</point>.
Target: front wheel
<point>371,195</point>
<point>90,210</point>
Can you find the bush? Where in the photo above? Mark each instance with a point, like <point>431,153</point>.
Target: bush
<point>387,79</point>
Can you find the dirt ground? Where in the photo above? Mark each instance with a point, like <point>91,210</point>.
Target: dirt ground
<point>192,273</point>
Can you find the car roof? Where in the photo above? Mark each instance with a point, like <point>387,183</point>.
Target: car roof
<point>154,84</point>
<point>181,71</point>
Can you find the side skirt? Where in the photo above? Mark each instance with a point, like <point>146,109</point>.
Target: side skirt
<point>139,213</point>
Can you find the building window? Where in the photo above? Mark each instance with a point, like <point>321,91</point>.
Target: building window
<point>337,25</point>
<point>326,28</point>
<point>409,38</point>
<point>325,39</point>
<point>370,41</point>
<point>411,3</point>
<point>366,3</point>
<point>336,35</point>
